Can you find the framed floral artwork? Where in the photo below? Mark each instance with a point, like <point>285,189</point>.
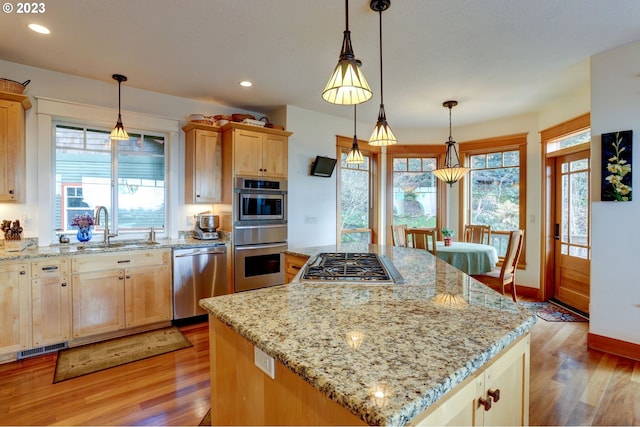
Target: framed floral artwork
<point>616,166</point>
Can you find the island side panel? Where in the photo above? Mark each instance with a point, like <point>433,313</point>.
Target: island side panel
<point>241,394</point>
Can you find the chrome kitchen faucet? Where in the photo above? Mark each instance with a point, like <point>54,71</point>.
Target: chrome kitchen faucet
<point>107,236</point>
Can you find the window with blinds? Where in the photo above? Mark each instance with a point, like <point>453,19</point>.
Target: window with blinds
<point>127,177</point>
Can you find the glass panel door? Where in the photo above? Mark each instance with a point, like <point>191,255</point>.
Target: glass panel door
<point>572,230</point>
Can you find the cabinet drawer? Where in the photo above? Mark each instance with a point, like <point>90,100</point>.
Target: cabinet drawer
<point>51,267</point>
<point>294,263</point>
<point>119,260</point>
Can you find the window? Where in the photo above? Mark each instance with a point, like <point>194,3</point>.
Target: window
<point>356,186</point>
<point>127,177</point>
<point>355,200</point>
<point>495,186</point>
<point>415,191</point>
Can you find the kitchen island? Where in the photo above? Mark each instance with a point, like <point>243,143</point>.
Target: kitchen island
<point>379,354</point>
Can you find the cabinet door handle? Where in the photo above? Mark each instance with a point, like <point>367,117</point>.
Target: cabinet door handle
<point>120,277</point>
<point>128,276</point>
<point>12,191</point>
<point>485,403</point>
<point>495,394</point>
<point>50,268</point>
<point>64,284</point>
<point>123,261</point>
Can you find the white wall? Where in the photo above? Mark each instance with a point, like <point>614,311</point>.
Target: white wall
<point>93,93</point>
<point>615,291</point>
<point>312,199</point>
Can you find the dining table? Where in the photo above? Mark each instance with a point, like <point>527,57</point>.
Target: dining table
<point>472,258</point>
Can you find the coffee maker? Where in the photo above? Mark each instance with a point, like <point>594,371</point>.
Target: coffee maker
<point>206,226</point>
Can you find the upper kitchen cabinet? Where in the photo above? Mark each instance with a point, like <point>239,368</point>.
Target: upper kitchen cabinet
<point>12,146</point>
<point>203,168</point>
<point>256,151</point>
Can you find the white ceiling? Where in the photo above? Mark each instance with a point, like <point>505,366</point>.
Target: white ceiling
<point>496,57</point>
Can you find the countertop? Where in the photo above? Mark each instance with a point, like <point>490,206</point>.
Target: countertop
<point>413,341</point>
<point>75,249</point>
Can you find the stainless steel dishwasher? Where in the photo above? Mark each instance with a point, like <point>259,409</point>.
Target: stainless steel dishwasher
<point>198,272</point>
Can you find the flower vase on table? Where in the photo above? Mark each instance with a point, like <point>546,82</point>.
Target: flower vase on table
<point>447,241</point>
<point>84,234</point>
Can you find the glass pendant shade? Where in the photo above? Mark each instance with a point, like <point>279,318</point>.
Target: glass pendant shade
<point>355,156</point>
<point>119,133</point>
<point>347,85</point>
<point>452,171</point>
<point>382,133</point>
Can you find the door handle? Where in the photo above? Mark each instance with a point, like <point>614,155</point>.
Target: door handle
<point>556,232</point>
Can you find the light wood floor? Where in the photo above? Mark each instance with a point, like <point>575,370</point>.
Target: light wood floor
<point>569,386</point>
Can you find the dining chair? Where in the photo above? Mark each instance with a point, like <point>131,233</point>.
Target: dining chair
<point>477,234</point>
<point>422,238</point>
<point>506,274</point>
<point>398,235</point>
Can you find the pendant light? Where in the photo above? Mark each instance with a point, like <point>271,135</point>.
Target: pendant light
<point>355,157</point>
<point>382,133</point>
<point>118,133</point>
<point>347,85</point>
<point>452,170</point>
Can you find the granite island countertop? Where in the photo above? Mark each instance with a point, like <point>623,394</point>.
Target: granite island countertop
<point>414,341</point>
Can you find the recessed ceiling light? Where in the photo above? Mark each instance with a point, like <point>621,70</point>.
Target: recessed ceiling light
<point>39,29</point>
<point>246,83</point>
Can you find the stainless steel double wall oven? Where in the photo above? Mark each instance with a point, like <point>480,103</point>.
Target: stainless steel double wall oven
<point>259,232</point>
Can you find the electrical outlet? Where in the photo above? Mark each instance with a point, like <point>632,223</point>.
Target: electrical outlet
<point>25,222</point>
<point>264,362</point>
<point>190,219</point>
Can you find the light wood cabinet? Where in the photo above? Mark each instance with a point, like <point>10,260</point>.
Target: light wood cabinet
<point>15,307</point>
<point>50,301</point>
<point>497,394</point>
<point>12,146</point>
<point>203,164</point>
<point>122,290</point>
<point>260,152</point>
<point>292,265</point>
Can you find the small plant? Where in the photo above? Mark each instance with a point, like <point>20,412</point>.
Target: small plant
<point>82,221</point>
<point>447,232</point>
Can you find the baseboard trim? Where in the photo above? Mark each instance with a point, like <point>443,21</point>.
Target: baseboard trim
<point>526,291</point>
<point>613,346</point>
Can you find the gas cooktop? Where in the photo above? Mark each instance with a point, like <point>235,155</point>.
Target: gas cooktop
<point>351,267</point>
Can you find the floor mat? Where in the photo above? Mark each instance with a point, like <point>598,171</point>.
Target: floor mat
<point>77,361</point>
<point>553,313</point>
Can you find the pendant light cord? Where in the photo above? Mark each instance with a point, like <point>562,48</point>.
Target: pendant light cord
<point>381,79</point>
<point>450,123</point>
<point>346,14</point>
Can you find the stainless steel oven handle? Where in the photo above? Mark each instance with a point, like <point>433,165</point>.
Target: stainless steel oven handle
<point>253,227</point>
<point>269,246</point>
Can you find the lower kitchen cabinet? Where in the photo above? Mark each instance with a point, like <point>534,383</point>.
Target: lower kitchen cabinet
<point>292,265</point>
<point>496,395</point>
<point>15,307</point>
<point>50,301</point>
<point>122,290</point>
<point>147,296</point>
<point>98,302</point>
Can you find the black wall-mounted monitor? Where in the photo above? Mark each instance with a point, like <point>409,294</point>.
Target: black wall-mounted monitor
<point>323,166</point>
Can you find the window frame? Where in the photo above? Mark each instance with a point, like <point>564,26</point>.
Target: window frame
<point>343,145</point>
<point>497,144</point>
<point>114,186</point>
<point>414,151</point>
